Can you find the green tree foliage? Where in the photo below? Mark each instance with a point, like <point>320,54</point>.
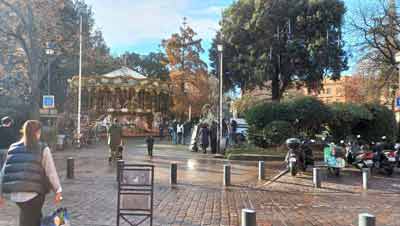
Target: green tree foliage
<point>281,42</point>
<point>152,65</point>
<point>96,54</point>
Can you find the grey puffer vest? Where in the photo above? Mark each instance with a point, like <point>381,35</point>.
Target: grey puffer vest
<point>23,171</point>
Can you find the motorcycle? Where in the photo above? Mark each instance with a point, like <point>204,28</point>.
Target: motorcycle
<point>299,155</point>
<point>360,157</point>
<point>397,153</point>
<point>334,158</point>
<point>307,153</point>
<point>384,159</point>
<point>390,161</point>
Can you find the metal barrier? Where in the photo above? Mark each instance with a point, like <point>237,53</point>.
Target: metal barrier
<point>135,194</point>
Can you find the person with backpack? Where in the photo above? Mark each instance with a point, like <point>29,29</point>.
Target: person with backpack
<point>28,174</point>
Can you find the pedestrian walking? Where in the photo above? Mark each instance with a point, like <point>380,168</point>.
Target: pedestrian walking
<point>233,131</point>
<point>33,175</point>
<point>175,132</point>
<point>115,141</point>
<point>161,127</point>
<point>179,130</point>
<point>204,137</point>
<point>187,131</point>
<point>8,136</point>
<point>214,137</point>
<point>150,144</point>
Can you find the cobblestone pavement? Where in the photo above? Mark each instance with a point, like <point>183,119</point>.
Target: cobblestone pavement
<point>200,199</point>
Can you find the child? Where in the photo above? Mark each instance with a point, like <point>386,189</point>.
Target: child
<point>150,143</point>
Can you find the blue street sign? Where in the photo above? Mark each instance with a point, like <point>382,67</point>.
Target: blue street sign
<point>48,101</point>
<point>398,102</point>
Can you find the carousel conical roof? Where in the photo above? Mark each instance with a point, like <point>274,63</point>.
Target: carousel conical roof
<point>125,72</point>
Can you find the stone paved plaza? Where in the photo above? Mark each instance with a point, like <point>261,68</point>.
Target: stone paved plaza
<point>200,199</point>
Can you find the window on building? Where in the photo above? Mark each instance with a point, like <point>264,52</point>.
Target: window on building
<point>328,91</point>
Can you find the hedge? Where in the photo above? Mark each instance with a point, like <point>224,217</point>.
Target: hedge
<point>308,116</point>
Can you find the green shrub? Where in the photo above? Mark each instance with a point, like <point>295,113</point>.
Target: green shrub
<point>278,131</point>
<point>261,115</point>
<point>309,114</point>
<point>383,123</point>
<point>346,118</point>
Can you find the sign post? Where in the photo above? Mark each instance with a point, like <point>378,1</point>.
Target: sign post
<point>48,102</point>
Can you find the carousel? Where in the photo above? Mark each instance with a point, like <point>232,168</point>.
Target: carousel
<point>138,102</point>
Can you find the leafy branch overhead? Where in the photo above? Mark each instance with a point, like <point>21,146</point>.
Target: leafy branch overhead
<point>281,43</point>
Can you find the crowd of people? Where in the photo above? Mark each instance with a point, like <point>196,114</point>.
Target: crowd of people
<point>199,135</point>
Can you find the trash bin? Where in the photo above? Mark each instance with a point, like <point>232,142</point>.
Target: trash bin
<point>60,141</point>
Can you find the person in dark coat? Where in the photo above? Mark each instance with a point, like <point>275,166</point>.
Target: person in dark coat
<point>161,127</point>
<point>204,137</point>
<point>214,137</point>
<point>150,144</point>
<point>115,141</point>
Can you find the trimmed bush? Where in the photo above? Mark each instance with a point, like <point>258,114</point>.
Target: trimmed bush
<point>383,123</point>
<point>310,115</point>
<point>346,118</point>
<point>261,115</point>
<point>278,131</point>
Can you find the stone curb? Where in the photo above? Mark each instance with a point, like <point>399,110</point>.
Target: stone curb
<point>255,157</point>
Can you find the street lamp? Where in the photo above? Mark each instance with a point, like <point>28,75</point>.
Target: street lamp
<point>49,52</point>
<point>397,58</point>
<point>220,49</point>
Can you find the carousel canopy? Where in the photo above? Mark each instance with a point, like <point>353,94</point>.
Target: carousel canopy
<point>121,78</point>
<point>125,72</point>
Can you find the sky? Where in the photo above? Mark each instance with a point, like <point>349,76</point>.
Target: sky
<point>140,25</point>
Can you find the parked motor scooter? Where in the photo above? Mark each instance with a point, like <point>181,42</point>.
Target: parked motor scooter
<point>360,157</point>
<point>384,157</point>
<point>397,153</point>
<point>307,153</point>
<point>293,156</point>
<point>334,158</point>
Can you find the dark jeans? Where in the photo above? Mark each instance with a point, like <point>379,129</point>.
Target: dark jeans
<point>214,145</point>
<point>31,211</point>
<point>150,150</point>
<point>180,137</point>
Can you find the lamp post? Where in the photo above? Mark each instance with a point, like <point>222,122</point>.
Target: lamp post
<point>80,83</point>
<point>49,52</point>
<point>397,58</point>
<point>220,48</point>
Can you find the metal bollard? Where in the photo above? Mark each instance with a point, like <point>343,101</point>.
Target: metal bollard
<point>249,217</point>
<point>174,173</point>
<point>317,177</point>
<point>261,170</point>
<point>70,168</point>
<point>365,173</point>
<point>366,219</point>
<point>120,165</point>
<point>227,175</point>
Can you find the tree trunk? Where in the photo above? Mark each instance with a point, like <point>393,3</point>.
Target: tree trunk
<point>275,87</point>
<point>36,97</point>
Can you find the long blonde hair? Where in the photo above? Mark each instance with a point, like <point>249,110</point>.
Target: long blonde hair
<point>29,130</point>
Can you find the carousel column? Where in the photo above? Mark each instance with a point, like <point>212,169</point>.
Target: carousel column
<point>90,99</point>
<point>95,99</point>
